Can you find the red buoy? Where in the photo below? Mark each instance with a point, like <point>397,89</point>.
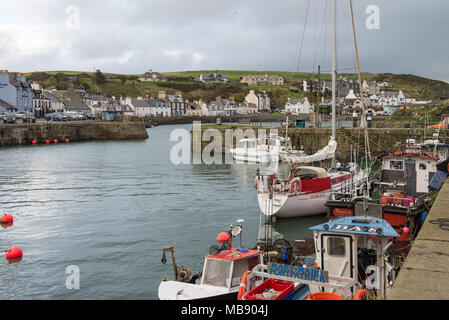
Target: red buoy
<point>6,218</point>
<point>223,237</point>
<point>33,142</point>
<point>67,140</point>
<point>14,252</point>
<point>55,141</point>
<point>5,225</point>
<point>47,141</point>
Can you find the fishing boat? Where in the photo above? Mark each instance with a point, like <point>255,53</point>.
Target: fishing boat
<point>220,278</point>
<point>401,193</point>
<point>355,260</point>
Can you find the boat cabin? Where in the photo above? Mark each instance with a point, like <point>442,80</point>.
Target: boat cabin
<point>412,170</point>
<point>220,278</point>
<point>352,257</point>
<point>354,248</point>
<point>226,268</point>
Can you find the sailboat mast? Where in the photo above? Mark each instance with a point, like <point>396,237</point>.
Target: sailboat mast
<point>334,65</point>
<point>362,100</point>
<point>362,104</point>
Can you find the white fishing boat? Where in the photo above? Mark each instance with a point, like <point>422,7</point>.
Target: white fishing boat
<point>355,260</point>
<point>220,278</point>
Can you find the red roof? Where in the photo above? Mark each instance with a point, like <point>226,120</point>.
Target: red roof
<point>225,255</point>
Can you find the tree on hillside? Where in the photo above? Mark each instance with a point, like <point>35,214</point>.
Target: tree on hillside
<point>61,77</point>
<point>39,76</point>
<point>99,77</point>
<point>50,83</point>
<point>122,78</point>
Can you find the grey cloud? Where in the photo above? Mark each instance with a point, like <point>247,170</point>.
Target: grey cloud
<point>131,36</point>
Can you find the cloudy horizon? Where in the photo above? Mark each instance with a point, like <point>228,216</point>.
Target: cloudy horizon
<point>131,37</point>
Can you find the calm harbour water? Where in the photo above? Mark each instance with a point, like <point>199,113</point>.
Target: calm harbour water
<point>110,207</point>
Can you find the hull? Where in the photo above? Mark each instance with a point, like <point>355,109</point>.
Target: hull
<point>174,290</point>
<point>286,205</point>
<point>297,205</point>
<point>250,157</point>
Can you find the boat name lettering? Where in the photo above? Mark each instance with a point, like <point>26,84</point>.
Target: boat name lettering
<point>297,272</point>
<point>354,228</point>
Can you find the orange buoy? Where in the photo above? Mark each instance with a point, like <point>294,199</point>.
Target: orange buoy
<point>361,294</point>
<point>14,252</point>
<point>6,218</point>
<point>324,296</point>
<point>242,289</point>
<point>55,141</point>
<point>223,237</point>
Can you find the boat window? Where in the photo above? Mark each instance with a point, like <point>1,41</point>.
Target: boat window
<point>252,144</point>
<point>397,165</point>
<point>302,173</point>
<point>336,246</point>
<point>422,166</point>
<point>241,144</point>
<point>240,267</point>
<point>217,272</point>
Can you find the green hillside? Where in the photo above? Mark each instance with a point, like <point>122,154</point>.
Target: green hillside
<point>128,85</point>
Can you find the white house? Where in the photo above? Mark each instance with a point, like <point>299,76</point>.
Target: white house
<point>298,106</point>
<point>260,99</point>
<point>161,108</point>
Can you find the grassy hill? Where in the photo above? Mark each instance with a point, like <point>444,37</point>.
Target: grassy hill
<point>128,85</point>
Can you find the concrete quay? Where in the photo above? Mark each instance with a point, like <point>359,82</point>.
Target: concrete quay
<point>23,134</point>
<point>425,273</point>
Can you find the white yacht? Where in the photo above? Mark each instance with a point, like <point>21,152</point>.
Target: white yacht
<point>265,149</point>
<point>306,190</point>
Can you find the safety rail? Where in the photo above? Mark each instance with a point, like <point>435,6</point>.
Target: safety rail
<point>346,283</point>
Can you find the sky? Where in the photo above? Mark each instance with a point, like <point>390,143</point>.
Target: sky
<point>133,36</point>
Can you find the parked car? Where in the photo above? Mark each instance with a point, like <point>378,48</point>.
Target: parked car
<point>67,116</point>
<point>49,116</point>
<point>9,117</point>
<point>20,115</point>
<point>55,117</point>
<point>28,117</point>
<point>60,117</point>
<point>88,115</point>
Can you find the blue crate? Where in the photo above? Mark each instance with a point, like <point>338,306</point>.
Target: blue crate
<point>437,180</point>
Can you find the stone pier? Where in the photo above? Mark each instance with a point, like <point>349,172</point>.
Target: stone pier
<point>22,134</point>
